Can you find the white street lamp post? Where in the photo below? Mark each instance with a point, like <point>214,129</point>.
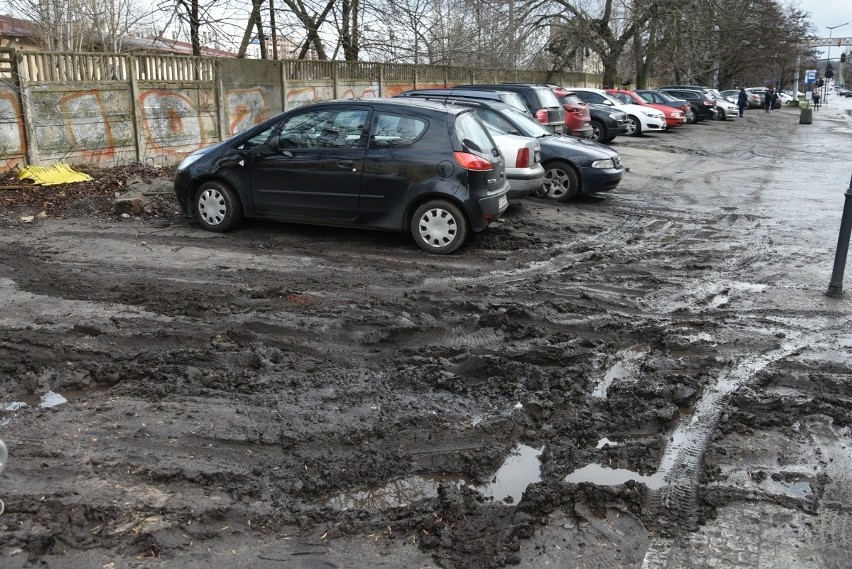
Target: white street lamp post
<point>828,59</point>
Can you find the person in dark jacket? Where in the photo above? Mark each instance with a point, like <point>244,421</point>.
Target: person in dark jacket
<point>771,98</point>
<point>742,101</point>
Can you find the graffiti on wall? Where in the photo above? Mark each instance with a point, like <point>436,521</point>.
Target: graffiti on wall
<point>12,137</point>
<point>86,124</point>
<point>361,92</point>
<point>170,122</point>
<point>246,108</point>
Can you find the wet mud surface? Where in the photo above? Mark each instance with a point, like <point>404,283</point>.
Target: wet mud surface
<point>650,378</point>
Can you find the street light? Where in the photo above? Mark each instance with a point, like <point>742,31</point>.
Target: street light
<point>828,59</point>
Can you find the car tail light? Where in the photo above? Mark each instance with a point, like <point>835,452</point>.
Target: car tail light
<point>523,158</point>
<point>578,110</point>
<point>710,103</point>
<point>473,162</point>
<point>541,116</point>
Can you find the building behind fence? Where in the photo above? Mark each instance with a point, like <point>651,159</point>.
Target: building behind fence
<point>110,109</point>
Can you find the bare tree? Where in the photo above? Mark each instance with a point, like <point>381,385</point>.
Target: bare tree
<point>91,25</point>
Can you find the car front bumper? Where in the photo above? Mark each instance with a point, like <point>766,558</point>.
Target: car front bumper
<point>594,180</point>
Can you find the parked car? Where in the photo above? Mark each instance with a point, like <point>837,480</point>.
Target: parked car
<point>733,95</point>
<point>572,166</point>
<point>785,98</point>
<point>674,117</point>
<point>640,118</point>
<point>725,108</point>
<point>659,98</point>
<point>540,101</point>
<point>508,97</point>
<point>702,104</point>
<point>761,92</point>
<point>392,164</point>
<point>578,119</point>
<point>523,162</point>
<point>606,122</point>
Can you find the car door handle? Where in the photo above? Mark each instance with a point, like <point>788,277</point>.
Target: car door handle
<point>347,164</point>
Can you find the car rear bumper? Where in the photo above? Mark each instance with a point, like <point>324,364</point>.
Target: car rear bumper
<point>584,131</point>
<point>593,180</point>
<point>489,208</point>
<point>523,181</point>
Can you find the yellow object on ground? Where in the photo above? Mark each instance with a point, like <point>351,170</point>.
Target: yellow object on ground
<point>50,176</point>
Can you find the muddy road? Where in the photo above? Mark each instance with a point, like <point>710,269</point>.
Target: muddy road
<point>649,379</point>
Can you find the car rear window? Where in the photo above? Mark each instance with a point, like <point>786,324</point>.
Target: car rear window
<point>473,135</point>
<point>571,99</point>
<point>515,100</point>
<point>396,131</point>
<point>546,97</point>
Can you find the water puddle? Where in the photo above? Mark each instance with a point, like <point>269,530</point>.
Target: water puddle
<point>49,399</point>
<point>603,476</point>
<point>625,367</point>
<point>521,468</point>
<point>605,442</point>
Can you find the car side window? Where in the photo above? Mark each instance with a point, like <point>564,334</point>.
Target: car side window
<point>257,140</point>
<point>647,97</point>
<point>396,131</point>
<point>592,97</point>
<point>623,98</point>
<point>324,128</point>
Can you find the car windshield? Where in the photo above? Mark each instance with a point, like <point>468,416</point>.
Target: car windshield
<point>525,124</point>
<point>611,99</point>
<point>515,100</point>
<point>665,97</point>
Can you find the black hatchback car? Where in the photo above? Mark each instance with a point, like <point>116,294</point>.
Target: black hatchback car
<point>387,164</point>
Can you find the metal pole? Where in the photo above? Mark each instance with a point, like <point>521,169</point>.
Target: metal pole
<point>835,287</point>
<point>828,60</point>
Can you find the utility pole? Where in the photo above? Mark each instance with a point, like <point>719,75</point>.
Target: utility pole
<point>828,61</point>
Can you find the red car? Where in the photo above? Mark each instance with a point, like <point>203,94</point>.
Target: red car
<point>577,118</point>
<point>674,117</point>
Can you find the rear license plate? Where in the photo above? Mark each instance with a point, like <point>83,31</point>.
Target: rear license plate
<point>502,202</point>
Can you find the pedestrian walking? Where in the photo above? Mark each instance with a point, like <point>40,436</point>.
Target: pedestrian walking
<point>770,99</point>
<point>816,100</point>
<point>742,101</point>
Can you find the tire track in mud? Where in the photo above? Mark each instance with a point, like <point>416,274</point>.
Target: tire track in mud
<point>676,504</point>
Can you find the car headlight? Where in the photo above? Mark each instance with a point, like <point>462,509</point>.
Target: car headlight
<point>186,162</point>
<point>615,116</point>
<point>608,163</point>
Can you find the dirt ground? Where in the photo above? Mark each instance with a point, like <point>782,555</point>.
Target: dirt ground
<point>652,378</point>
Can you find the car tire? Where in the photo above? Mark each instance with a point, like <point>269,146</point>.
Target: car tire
<point>439,227</point>
<point>561,182</point>
<point>634,127</point>
<point>217,207</point>
<point>721,115</point>
<point>598,131</point>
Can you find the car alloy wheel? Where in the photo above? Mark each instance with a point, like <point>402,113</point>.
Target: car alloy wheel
<point>560,181</point>
<point>634,127</point>
<point>217,207</point>
<point>439,227</point>
<point>597,131</point>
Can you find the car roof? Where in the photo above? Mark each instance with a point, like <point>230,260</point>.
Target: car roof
<point>442,100</point>
<point>493,94</point>
<point>394,103</point>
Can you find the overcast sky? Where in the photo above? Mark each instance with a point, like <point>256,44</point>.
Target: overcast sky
<point>830,13</point>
